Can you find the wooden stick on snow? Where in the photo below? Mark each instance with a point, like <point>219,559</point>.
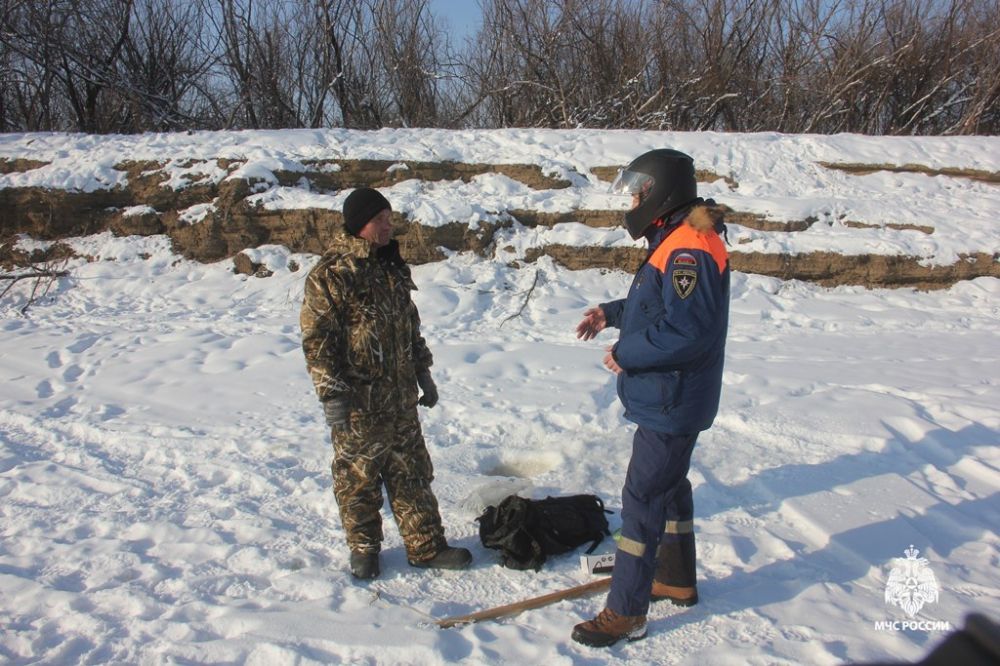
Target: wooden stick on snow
<point>527,604</point>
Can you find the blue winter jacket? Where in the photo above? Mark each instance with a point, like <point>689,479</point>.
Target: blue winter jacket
<point>673,326</point>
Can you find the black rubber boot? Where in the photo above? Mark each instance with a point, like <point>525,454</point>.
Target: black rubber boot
<point>446,558</point>
<point>364,566</point>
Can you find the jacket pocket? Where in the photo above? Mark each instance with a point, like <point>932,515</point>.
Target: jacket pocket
<point>657,391</point>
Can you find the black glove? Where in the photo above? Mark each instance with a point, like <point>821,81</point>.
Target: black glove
<point>430,391</point>
<point>336,413</point>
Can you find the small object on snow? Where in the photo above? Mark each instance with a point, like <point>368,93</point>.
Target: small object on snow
<point>597,564</point>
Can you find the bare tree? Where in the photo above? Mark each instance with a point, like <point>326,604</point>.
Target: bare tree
<point>409,60</point>
<point>163,63</point>
<point>90,38</point>
<point>875,66</point>
<point>29,71</point>
<point>252,52</point>
<point>355,82</point>
<point>360,63</point>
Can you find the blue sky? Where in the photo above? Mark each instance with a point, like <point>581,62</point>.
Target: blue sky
<point>463,16</point>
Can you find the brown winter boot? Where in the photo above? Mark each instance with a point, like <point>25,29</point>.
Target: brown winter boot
<point>678,596</point>
<point>608,628</point>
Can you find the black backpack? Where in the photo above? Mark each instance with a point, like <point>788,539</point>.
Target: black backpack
<point>527,531</point>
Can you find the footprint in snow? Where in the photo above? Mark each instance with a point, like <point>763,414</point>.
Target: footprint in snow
<point>44,390</point>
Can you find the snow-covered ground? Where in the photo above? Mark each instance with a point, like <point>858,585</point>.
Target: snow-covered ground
<point>164,466</point>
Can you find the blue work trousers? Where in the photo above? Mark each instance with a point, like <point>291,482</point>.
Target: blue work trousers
<point>656,491</point>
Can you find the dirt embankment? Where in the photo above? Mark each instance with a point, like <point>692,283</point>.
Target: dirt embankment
<point>228,222</point>
<point>224,223</point>
<point>825,268</point>
<point>862,169</point>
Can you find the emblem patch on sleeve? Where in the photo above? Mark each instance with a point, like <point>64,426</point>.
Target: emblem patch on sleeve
<point>684,280</point>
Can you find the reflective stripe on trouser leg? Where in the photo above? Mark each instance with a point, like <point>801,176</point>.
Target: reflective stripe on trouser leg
<point>407,475</point>
<point>657,470</point>
<point>675,558</point>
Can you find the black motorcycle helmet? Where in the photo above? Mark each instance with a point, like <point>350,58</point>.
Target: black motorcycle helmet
<point>664,181</point>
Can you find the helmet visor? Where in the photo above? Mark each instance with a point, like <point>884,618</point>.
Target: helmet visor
<point>632,183</point>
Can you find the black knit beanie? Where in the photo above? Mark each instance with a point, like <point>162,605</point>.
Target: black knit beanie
<point>362,205</point>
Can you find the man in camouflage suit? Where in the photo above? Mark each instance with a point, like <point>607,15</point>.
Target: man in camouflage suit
<point>363,348</point>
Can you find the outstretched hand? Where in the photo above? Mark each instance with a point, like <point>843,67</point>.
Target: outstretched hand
<point>593,323</point>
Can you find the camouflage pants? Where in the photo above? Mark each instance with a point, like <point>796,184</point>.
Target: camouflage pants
<point>386,449</point>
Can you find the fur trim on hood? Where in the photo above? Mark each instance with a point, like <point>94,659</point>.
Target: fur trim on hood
<point>706,217</point>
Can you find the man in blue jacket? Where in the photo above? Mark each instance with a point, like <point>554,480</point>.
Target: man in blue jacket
<point>668,360</point>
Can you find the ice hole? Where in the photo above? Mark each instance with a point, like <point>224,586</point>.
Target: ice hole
<point>521,468</point>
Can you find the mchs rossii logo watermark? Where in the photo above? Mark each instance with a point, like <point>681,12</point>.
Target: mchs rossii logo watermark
<point>910,587</point>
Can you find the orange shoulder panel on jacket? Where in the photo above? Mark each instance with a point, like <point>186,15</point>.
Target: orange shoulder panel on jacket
<point>687,238</point>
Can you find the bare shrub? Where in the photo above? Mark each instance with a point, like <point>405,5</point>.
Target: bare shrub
<point>872,66</point>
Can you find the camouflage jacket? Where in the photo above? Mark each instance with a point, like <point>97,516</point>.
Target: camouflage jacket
<point>360,327</point>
